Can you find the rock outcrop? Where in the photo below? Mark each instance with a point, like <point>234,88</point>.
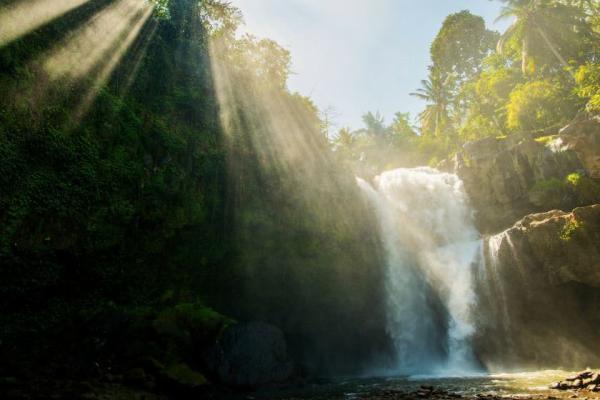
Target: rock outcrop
<point>539,292</point>
<point>583,137</point>
<point>508,178</point>
<point>587,379</point>
<point>563,247</point>
<point>250,355</point>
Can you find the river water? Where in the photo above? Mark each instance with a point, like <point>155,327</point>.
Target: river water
<point>521,385</point>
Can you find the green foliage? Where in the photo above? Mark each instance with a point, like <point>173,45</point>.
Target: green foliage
<point>437,92</point>
<point>161,8</point>
<point>575,190</point>
<point>588,85</point>
<point>188,323</point>
<point>121,203</point>
<point>461,44</point>
<point>537,105</point>
<point>486,98</point>
<point>473,92</point>
<point>570,228</point>
<point>545,33</point>
<point>585,189</point>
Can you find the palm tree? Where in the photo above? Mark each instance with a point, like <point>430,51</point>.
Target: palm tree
<point>533,17</point>
<point>436,90</point>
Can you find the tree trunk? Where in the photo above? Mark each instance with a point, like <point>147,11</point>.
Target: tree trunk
<point>524,53</point>
<point>552,48</point>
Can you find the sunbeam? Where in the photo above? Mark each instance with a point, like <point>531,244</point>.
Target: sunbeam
<point>87,57</point>
<point>120,46</point>
<point>100,42</point>
<point>24,16</point>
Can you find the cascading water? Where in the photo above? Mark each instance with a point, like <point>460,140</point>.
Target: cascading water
<point>431,248</point>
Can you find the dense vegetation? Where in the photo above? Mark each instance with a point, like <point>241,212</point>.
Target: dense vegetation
<point>536,76</point>
<point>124,219</point>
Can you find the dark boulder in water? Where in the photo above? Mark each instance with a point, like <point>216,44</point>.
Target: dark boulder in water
<point>251,354</point>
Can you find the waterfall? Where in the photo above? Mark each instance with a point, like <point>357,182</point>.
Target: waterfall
<point>431,248</point>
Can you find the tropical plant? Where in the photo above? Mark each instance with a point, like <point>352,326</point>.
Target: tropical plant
<point>436,90</point>
<point>558,26</point>
<point>461,45</point>
<point>538,105</point>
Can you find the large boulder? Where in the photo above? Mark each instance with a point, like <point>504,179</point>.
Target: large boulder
<point>251,354</point>
<point>508,178</point>
<point>564,246</point>
<point>539,292</point>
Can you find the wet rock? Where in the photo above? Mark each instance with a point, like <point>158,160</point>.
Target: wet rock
<point>250,355</point>
<point>583,380</point>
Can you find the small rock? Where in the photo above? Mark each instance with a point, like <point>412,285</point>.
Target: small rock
<point>585,374</point>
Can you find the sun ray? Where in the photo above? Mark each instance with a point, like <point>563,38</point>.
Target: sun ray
<point>93,44</point>
<point>136,25</point>
<point>19,18</point>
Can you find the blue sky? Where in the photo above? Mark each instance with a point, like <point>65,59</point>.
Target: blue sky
<point>354,56</point>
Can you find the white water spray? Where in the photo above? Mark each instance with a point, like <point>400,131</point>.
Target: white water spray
<point>431,247</point>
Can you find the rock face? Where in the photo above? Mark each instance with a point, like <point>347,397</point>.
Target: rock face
<point>539,292</point>
<point>251,354</point>
<point>583,137</point>
<point>505,178</point>
<point>564,246</point>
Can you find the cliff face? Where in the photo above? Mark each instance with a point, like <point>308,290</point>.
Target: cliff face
<point>540,292</point>
<point>508,178</point>
<point>564,247</point>
<point>505,178</point>
<point>536,201</point>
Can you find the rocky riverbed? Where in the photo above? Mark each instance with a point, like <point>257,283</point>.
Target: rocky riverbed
<point>513,386</point>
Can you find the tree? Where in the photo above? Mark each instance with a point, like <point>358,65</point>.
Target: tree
<point>374,124</point>
<point>588,85</point>
<point>557,25</point>
<point>538,105</point>
<point>437,91</point>
<point>461,45</point>
<point>485,99</point>
<point>401,129</point>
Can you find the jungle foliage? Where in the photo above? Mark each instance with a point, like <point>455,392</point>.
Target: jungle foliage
<point>536,76</point>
